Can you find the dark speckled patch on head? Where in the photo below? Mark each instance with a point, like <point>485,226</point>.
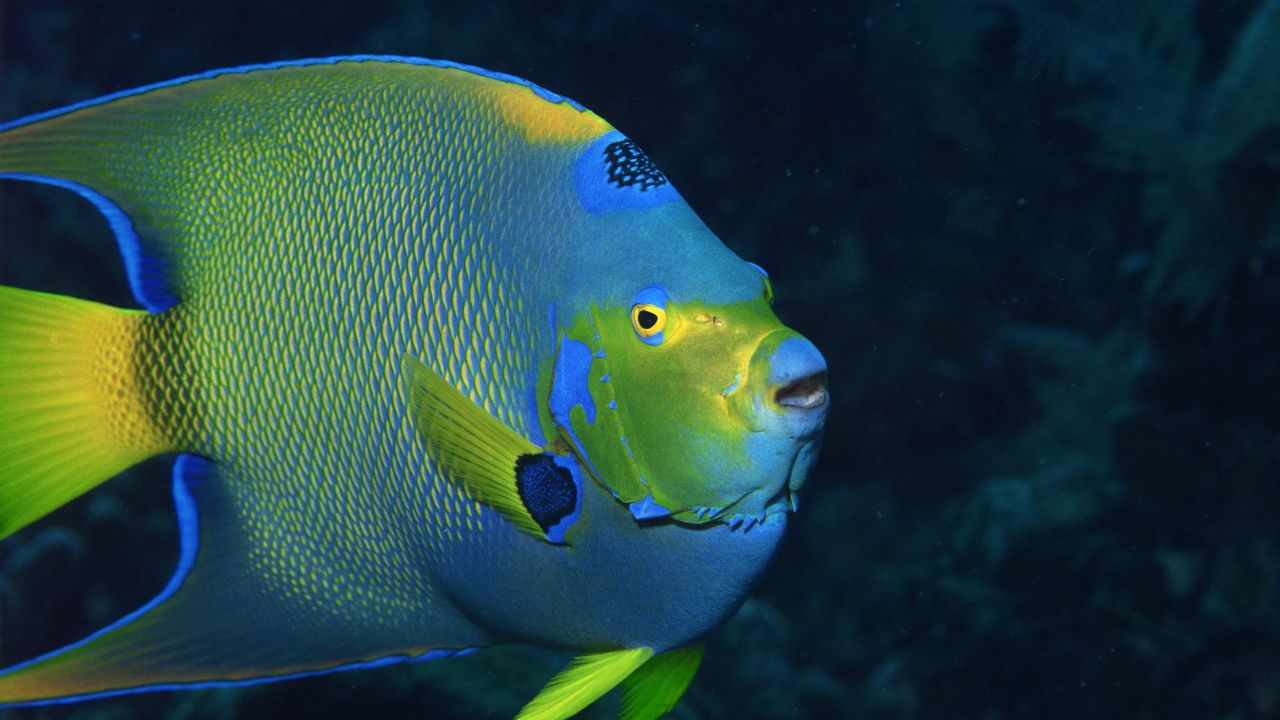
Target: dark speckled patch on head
<point>628,166</point>
<point>546,489</point>
<point>612,173</point>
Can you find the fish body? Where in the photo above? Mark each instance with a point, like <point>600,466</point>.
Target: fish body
<point>396,321</point>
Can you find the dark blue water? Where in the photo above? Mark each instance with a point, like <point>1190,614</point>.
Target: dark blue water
<point>1037,242</point>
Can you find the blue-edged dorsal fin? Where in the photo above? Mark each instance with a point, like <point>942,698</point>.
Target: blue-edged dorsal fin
<point>214,624</point>
<point>583,682</point>
<point>189,172</point>
<point>538,492</point>
<point>651,692</point>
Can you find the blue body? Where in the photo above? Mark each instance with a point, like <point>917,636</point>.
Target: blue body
<point>299,229</point>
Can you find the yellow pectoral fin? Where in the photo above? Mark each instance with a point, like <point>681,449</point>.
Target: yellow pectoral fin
<point>582,683</point>
<point>538,492</point>
<point>651,692</point>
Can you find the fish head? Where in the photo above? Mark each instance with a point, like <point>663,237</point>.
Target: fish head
<point>675,383</point>
<point>691,408</point>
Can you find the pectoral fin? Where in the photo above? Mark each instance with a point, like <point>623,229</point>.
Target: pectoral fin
<point>538,492</point>
<point>651,692</point>
<point>582,682</point>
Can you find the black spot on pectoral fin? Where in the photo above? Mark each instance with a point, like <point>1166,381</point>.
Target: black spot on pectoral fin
<point>547,487</point>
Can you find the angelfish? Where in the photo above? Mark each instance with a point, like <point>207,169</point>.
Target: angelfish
<point>445,362</point>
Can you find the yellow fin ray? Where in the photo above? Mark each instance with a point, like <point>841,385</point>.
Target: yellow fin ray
<point>473,448</point>
<point>651,692</point>
<point>72,412</point>
<point>582,683</point>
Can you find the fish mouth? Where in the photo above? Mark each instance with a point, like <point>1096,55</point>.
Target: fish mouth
<point>807,393</point>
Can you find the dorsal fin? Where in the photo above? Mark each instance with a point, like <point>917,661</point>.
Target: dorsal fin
<point>177,167</point>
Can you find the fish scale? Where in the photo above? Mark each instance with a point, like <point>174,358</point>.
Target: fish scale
<point>365,467</point>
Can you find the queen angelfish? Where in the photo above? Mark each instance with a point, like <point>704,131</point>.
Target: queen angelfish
<point>445,361</point>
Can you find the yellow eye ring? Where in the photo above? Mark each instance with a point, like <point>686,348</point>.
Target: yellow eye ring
<point>648,319</point>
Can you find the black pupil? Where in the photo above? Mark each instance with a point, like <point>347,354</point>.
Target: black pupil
<point>647,319</point>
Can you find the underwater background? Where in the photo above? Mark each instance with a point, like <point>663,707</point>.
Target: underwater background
<point>1037,241</point>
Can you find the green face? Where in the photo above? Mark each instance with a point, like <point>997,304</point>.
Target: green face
<point>702,411</point>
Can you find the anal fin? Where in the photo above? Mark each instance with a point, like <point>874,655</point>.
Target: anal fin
<point>214,624</point>
<point>583,682</point>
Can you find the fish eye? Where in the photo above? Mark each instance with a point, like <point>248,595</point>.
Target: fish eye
<point>649,314</point>
<point>648,319</point>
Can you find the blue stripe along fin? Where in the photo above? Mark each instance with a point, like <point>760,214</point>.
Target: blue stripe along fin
<point>213,625</point>
<point>147,273</point>
<point>242,69</point>
<point>100,149</point>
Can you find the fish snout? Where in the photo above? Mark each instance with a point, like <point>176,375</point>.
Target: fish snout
<point>786,410</point>
<point>792,399</point>
<point>798,376</point>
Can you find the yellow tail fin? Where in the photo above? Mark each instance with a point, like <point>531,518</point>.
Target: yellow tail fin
<point>72,413</point>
